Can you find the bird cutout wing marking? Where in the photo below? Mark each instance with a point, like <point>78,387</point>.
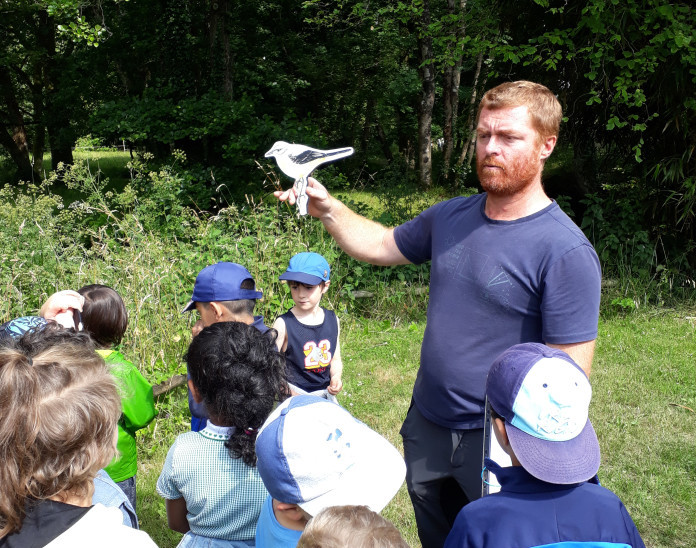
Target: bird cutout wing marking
<point>298,162</point>
<point>307,156</point>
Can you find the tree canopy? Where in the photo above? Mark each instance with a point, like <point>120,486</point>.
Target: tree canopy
<point>398,81</point>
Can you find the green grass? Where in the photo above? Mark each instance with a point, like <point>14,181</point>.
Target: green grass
<point>112,164</point>
<point>644,370</point>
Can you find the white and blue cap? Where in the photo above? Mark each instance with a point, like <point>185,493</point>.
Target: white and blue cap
<point>544,397</point>
<point>307,268</point>
<point>221,282</point>
<point>313,453</point>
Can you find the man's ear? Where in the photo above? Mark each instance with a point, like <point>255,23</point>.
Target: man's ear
<point>547,146</point>
<point>194,392</point>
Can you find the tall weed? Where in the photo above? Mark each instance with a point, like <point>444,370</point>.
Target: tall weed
<point>149,242</point>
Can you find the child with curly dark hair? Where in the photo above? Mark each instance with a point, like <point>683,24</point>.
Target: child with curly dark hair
<point>209,480</point>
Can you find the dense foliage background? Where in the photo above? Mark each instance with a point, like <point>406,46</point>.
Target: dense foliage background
<point>398,81</point>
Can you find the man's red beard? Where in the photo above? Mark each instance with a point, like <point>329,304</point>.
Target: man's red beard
<point>507,180</point>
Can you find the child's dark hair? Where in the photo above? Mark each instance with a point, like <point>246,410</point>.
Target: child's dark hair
<point>242,306</point>
<point>240,375</point>
<point>104,314</point>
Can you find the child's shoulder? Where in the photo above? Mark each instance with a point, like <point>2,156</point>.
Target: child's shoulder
<point>188,442</point>
<point>115,358</point>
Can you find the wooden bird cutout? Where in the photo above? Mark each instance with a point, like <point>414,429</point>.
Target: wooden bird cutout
<point>298,162</point>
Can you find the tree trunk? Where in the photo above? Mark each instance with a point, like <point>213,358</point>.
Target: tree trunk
<point>15,141</point>
<point>37,101</point>
<point>217,25</point>
<point>367,125</point>
<point>468,148</point>
<point>60,133</point>
<point>450,93</point>
<point>427,102</point>
<point>383,141</point>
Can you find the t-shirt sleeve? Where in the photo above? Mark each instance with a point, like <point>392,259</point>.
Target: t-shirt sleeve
<point>166,486</point>
<point>570,300</point>
<point>137,399</point>
<point>414,237</point>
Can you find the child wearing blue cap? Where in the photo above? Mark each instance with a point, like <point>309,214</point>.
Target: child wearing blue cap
<point>308,333</point>
<point>540,400</point>
<point>223,292</point>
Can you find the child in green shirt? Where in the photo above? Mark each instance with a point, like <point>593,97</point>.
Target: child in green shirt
<point>105,318</point>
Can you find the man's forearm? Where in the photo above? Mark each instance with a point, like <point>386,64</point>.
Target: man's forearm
<point>362,238</point>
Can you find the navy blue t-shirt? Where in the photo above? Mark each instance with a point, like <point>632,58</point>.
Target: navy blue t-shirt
<point>494,284</point>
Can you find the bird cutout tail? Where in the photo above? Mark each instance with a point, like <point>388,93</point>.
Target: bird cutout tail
<point>302,198</point>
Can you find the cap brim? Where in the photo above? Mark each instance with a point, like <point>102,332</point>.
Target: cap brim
<point>560,462</point>
<point>190,306</point>
<point>300,277</point>
<point>372,481</point>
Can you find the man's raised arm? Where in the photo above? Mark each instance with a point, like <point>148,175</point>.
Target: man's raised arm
<point>361,238</point>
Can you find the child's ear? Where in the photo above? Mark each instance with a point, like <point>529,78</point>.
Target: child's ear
<point>326,287</point>
<point>291,511</point>
<point>501,433</point>
<point>218,310</point>
<point>194,392</point>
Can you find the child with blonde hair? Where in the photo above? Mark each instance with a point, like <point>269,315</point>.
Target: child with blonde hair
<point>350,527</point>
<point>59,409</point>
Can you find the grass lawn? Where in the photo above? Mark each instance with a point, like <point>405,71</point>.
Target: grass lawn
<point>644,382</point>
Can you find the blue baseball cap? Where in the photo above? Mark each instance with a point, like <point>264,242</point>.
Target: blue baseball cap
<point>544,397</point>
<point>221,282</point>
<point>307,268</point>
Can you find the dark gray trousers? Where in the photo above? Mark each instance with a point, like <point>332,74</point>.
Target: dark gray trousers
<point>443,473</point>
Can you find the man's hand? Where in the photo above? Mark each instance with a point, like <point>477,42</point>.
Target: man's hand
<point>59,307</point>
<point>335,386</point>
<point>361,238</point>
<point>320,201</point>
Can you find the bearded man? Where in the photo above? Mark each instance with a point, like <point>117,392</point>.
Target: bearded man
<point>507,266</point>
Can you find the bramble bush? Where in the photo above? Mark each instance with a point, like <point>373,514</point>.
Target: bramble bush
<point>149,242</point>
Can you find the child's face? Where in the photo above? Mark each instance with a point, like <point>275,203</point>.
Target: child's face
<point>306,296</point>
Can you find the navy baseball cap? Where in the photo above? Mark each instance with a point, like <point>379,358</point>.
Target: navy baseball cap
<point>307,268</point>
<point>221,282</point>
<point>544,397</point>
